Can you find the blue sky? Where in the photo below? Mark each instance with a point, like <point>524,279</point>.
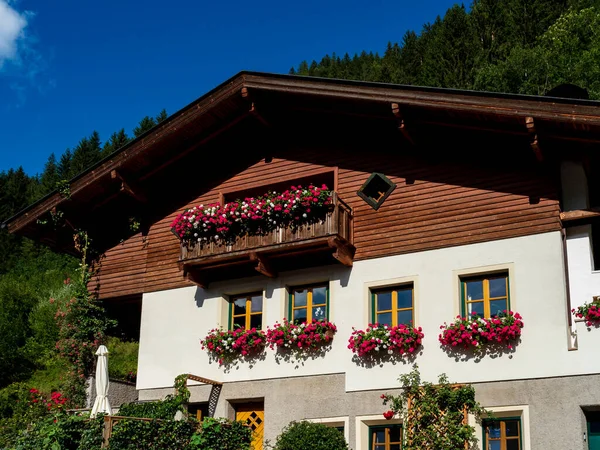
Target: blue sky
<point>69,67</point>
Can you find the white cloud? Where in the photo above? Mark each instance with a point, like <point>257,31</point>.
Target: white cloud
<point>12,30</point>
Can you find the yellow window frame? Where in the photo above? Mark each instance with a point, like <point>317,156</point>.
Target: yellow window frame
<point>248,312</point>
<point>309,301</point>
<point>395,310</point>
<point>503,437</point>
<point>486,300</point>
<point>388,440</point>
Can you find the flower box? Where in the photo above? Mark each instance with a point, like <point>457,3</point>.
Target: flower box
<point>589,312</point>
<point>253,216</point>
<point>476,333</point>
<point>303,337</point>
<point>228,345</point>
<point>379,340</point>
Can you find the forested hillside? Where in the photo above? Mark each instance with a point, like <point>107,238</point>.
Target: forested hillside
<point>35,282</point>
<point>516,46</point>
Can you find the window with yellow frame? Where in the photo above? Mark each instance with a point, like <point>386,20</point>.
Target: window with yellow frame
<point>308,303</point>
<point>393,306</point>
<point>485,295</point>
<point>502,434</point>
<point>246,311</point>
<point>385,437</point>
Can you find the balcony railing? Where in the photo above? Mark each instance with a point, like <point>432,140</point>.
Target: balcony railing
<point>333,235</point>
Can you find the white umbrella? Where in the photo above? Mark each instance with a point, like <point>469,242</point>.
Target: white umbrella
<point>101,404</point>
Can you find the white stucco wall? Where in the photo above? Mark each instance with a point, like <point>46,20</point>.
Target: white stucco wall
<point>584,281</point>
<point>174,321</point>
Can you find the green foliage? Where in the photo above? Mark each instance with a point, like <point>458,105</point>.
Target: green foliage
<point>310,436</point>
<point>222,434</point>
<point>155,434</point>
<point>437,416</point>
<point>161,409</point>
<point>123,358</point>
<point>82,328</point>
<point>517,46</point>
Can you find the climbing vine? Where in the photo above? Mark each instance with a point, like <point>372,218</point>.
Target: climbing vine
<point>82,326</point>
<point>435,416</point>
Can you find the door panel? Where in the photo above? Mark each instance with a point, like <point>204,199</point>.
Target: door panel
<point>253,414</point>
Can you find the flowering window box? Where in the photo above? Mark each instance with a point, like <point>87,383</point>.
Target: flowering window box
<point>265,234</point>
<point>302,338</point>
<point>476,333</point>
<point>226,346</point>
<point>378,340</point>
<point>589,312</point>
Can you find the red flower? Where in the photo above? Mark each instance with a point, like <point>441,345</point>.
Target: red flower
<point>388,414</point>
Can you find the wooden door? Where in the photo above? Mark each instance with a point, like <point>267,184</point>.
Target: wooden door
<point>253,414</point>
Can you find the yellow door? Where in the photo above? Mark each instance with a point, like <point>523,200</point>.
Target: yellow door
<point>253,414</point>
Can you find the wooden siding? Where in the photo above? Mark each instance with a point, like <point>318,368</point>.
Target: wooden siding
<point>433,206</point>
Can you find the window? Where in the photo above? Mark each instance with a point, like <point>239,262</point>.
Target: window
<point>376,189</point>
<point>502,434</point>
<point>393,306</point>
<point>385,437</point>
<point>246,311</point>
<point>308,303</point>
<point>198,410</point>
<point>485,295</point>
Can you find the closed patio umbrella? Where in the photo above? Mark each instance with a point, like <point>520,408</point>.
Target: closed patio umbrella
<point>101,404</point>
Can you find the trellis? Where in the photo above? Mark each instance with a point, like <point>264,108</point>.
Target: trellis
<point>415,416</point>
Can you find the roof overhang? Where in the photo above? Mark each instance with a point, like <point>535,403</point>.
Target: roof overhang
<point>132,170</point>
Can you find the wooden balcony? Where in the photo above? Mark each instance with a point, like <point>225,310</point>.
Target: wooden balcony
<point>322,243</point>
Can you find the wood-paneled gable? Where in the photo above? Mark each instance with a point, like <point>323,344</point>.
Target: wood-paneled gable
<point>434,205</point>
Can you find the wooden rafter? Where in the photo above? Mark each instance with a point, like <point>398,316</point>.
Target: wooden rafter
<point>263,264</point>
<point>129,187</point>
<point>203,380</point>
<point>533,138</point>
<point>195,277</point>
<point>253,110</point>
<point>402,123</point>
<point>344,251</point>
<point>580,214</point>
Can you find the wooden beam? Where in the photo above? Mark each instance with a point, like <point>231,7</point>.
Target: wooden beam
<point>129,187</point>
<point>253,111</point>
<point>344,251</point>
<point>580,214</point>
<point>263,264</point>
<point>401,123</point>
<point>533,138</point>
<point>203,380</point>
<point>196,278</point>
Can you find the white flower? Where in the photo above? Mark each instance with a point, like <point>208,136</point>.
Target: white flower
<point>304,215</point>
<point>195,234</point>
<point>377,348</point>
<point>390,352</point>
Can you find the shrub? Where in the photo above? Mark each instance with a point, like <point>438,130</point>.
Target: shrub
<point>310,436</point>
<point>228,345</point>
<point>154,434</point>
<point>221,434</point>
<point>123,359</point>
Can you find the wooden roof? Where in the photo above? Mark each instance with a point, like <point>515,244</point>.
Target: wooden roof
<point>137,173</point>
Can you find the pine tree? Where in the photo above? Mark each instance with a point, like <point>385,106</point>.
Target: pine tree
<point>162,115</point>
<point>115,142</point>
<point>64,166</point>
<point>49,177</point>
<point>147,123</point>
<point>86,154</point>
